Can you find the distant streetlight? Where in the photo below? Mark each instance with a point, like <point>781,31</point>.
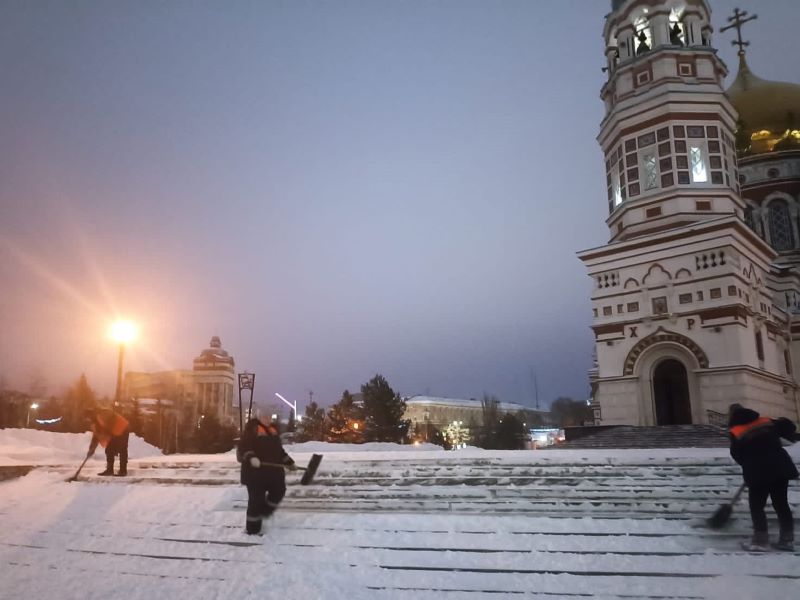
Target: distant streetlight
<point>122,332</point>
<point>33,406</point>
<point>292,405</point>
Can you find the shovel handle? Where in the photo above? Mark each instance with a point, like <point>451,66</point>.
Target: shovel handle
<point>75,477</point>
<point>266,464</point>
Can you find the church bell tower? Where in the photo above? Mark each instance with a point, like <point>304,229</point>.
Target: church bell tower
<point>684,320</point>
<point>668,133</point>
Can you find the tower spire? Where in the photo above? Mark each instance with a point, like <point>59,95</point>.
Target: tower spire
<point>736,21</point>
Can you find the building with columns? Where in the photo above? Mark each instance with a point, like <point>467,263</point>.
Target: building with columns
<point>695,294</point>
<point>208,388</point>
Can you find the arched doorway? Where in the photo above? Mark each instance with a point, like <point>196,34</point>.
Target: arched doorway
<point>671,393</point>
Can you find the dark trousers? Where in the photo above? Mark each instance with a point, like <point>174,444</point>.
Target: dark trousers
<point>777,492</point>
<point>118,444</point>
<point>262,500</point>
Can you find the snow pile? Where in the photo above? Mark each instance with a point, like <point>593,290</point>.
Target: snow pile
<point>33,447</point>
<point>320,447</point>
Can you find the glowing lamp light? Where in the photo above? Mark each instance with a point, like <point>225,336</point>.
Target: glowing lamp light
<point>123,332</point>
<point>355,425</point>
<point>34,406</point>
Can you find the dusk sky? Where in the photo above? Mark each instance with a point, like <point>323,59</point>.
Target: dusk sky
<point>336,189</point>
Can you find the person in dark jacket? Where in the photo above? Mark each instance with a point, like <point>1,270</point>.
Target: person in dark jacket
<point>259,450</point>
<point>766,469</point>
<point>111,430</point>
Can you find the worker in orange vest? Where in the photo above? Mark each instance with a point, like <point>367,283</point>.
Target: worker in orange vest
<point>766,469</point>
<point>110,430</point>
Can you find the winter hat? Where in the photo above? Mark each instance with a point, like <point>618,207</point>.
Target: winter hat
<point>739,415</point>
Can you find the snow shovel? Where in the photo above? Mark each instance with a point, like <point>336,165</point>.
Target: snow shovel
<point>75,477</point>
<point>310,470</point>
<point>723,513</point>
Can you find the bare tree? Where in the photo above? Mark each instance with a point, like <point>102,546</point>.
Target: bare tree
<point>37,383</point>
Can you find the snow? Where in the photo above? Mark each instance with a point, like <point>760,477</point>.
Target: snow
<point>384,521</point>
<point>36,447</point>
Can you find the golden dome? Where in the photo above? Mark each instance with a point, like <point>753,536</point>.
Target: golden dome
<point>769,111</point>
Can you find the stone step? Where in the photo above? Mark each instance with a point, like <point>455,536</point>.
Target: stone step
<point>631,437</point>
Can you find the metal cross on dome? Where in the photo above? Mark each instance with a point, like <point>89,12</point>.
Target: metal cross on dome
<point>737,20</point>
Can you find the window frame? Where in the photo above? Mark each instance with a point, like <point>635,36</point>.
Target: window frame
<point>702,149</point>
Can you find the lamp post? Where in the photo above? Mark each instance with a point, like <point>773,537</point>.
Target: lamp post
<point>123,332</point>
<point>33,406</point>
<point>292,405</point>
<point>247,381</point>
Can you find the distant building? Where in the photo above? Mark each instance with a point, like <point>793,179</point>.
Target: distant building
<point>205,389</point>
<point>441,412</point>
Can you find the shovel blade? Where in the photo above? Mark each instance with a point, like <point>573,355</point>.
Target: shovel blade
<point>311,469</point>
<point>720,516</point>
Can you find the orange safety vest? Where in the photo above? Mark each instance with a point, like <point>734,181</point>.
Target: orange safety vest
<point>104,431</point>
<point>739,431</point>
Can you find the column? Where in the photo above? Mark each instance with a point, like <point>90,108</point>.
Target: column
<point>626,48</point>
<point>659,26</point>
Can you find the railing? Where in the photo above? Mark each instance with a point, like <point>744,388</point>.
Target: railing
<point>717,419</point>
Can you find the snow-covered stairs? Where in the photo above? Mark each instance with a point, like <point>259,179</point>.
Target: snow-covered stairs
<point>663,436</point>
<point>674,488</point>
<point>427,525</point>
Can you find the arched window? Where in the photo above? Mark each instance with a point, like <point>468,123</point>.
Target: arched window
<point>677,35</point>
<point>644,36</point>
<point>780,226</point>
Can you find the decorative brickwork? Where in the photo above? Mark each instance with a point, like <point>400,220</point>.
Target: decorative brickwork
<point>662,335</point>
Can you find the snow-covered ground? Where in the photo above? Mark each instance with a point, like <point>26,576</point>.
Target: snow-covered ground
<point>384,521</point>
<point>35,447</point>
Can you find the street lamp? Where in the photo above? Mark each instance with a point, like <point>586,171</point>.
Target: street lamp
<point>33,406</point>
<point>292,405</point>
<point>123,332</point>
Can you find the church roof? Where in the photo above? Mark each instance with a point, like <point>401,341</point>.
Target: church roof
<point>214,355</point>
<point>764,105</point>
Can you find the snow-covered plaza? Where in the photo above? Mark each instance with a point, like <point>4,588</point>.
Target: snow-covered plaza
<point>382,521</point>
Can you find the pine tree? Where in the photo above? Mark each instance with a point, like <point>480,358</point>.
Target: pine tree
<point>79,398</point>
<point>487,434</point>
<point>291,423</point>
<point>567,412</point>
<point>134,416</point>
<point>212,437</point>
<point>313,425</point>
<point>346,420</point>
<point>511,433</point>
<point>383,412</point>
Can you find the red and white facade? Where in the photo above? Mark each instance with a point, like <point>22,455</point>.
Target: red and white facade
<point>689,316</point>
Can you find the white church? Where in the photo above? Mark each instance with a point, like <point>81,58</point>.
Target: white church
<point>695,295</point>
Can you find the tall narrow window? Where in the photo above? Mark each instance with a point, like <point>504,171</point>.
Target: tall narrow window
<point>759,346</point>
<point>650,172</point>
<point>644,39</point>
<point>676,33</point>
<point>780,226</point>
<point>615,186</point>
<point>698,165</point>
